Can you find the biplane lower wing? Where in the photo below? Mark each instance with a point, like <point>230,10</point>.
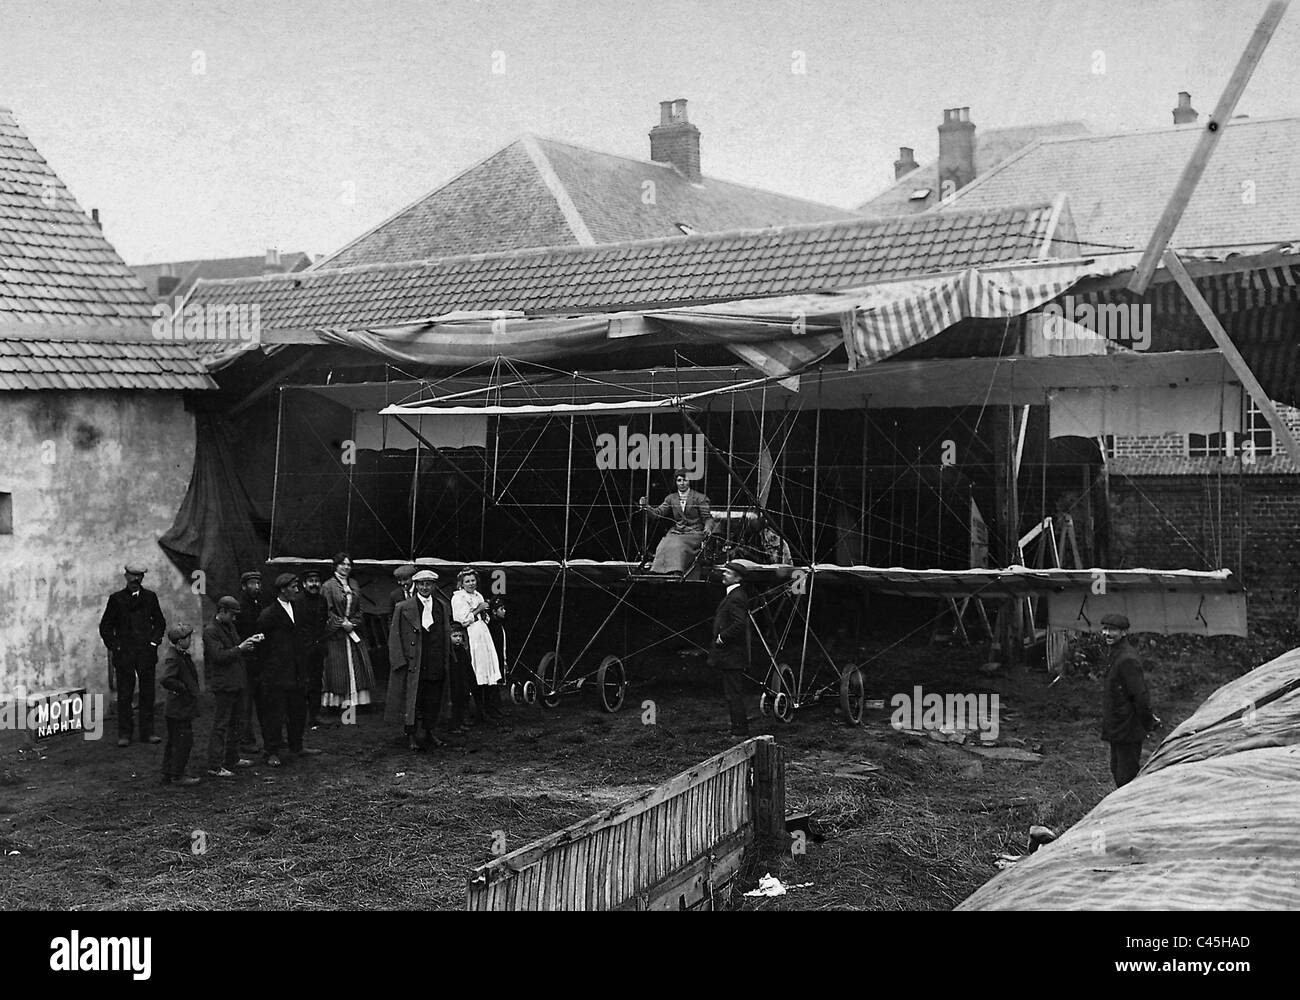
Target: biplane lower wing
<point>1167,602</point>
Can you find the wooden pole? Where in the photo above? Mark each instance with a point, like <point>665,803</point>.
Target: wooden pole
<point>769,795</point>
<point>1220,117</point>
<point>1238,364</point>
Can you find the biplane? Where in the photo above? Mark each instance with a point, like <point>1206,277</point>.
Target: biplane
<point>532,476</point>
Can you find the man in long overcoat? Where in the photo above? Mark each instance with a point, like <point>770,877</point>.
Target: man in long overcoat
<point>729,651</point>
<point>419,650</point>
<point>132,627</point>
<point>283,658</point>
<point>1126,715</point>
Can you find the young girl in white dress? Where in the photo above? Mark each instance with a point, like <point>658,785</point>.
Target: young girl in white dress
<point>470,608</point>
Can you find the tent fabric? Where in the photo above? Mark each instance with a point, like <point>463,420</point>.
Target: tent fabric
<point>215,529</point>
<point>903,314</point>
<point>1261,708</point>
<point>1211,822</point>
<point>1146,410</point>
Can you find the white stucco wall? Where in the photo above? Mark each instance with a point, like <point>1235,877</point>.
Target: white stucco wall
<point>96,478</point>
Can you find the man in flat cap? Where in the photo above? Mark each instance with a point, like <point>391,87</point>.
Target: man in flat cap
<point>1126,715</point>
<point>181,682</point>
<point>251,604</point>
<point>132,627</point>
<point>283,658</point>
<point>223,661</point>
<point>729,651</point>
<point>405,588</point>
<point>310,606</point>
<point>419,653</point>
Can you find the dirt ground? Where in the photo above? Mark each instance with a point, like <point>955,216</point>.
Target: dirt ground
<point>85,825</point>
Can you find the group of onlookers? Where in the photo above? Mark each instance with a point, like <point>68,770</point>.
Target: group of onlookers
<point>302,650</point>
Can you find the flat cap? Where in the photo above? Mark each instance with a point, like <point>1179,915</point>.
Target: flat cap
<point>310,571</point>
<point>1115,621</point>
<point>178,632</point>
<point>404,571</point>
<point>228,604</point>
<point>424,574</point>
<point>284,579</point>
<point>252,574</point>
<point>135,568</point>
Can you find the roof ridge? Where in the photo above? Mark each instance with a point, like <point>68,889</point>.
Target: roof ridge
<point>921,218</point>
<point>568,210</point>
<point>1061,140</point>
<point>672,167</point>
<point>407,207</point>
<point>1159,129</point>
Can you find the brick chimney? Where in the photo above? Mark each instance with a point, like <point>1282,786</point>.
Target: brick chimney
<point>905,163</point>
<point>272,263</point>
<point>1185,114</point>
<point>675,140</point>
<point>956,150</point>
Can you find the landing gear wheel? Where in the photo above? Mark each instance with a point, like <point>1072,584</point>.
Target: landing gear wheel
<point>548,672</point>
<point>780,692</point>
<point>517,693</point>
<point>851,695</point>
<point>529,693</point>
<point>611,680</point>
<point>765,704</point>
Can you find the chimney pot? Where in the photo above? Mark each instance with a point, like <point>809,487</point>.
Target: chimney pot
<point>94,217</point>
<point>167,283</point>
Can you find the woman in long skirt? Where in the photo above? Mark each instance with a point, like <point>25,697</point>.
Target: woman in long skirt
<point>348,674</point>
<point>470,608</point>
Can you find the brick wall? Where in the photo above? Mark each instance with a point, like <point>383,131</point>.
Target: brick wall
<point>1248,524</point>
<point>1151,454</point>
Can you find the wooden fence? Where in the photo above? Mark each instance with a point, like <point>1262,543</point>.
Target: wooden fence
<point>666,849</point>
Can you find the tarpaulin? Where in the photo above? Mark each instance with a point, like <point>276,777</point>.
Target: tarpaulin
<point>1146,410</point>
<point>216,529</point>
<point>900,315</point>
<point>1211,822</point>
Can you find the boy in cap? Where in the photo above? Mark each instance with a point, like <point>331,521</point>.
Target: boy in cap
<point>223,656</point>
<point>181,682</point>
<point>1126,715</point>
<point>132,627</point>
<point>405,588</point>
<point>730,649</point>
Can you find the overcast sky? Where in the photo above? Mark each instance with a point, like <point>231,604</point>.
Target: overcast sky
<point>219,128</point>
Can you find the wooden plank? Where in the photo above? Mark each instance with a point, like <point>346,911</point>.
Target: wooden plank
<point>688,880</point>
<point>1242,370</point>
<point>1210,137</point>
<point>530,853</point>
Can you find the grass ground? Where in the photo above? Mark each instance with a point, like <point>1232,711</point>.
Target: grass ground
<point>85,825</point>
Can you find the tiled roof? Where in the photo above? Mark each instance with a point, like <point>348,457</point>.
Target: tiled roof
<point>717,267</point>
<point>992,146</point>
<point>1118,185</point>
<point>218,269</point>
<point>544,193</point>
<point>55,264</point>
<point>47,363</point>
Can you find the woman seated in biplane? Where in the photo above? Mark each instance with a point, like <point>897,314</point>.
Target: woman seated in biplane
<point>692,520</point>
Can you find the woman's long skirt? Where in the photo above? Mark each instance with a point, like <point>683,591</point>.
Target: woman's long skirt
<point>348,674</point>
<point>677,551</point>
